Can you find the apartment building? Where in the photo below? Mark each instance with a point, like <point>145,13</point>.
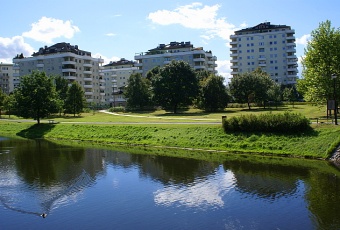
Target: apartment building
<point>270,47</point>
<point>68,61</point>
<point>197,58</point>
<point>116,75</point>
<point>6,77</point>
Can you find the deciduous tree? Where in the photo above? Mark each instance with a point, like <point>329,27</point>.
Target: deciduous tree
<point>75,100</point>
<point>137,91</point>
<point>35,97</point>
<point>176,85</point>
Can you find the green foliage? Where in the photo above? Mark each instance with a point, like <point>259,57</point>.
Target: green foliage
<point>35,97</point>
<point>75,100</point>
<point>213,94</point>
<point>117,109</point>
<point>2,101</point>
<point>175,85</point>
<point>322,59</point>
<point>137,91</point>
<point>61,85</point>
<point>251,87</point>
<point>274,123</point>
<point>9,104</point>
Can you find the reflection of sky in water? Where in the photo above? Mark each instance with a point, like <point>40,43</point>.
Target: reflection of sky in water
<point>203,192</point>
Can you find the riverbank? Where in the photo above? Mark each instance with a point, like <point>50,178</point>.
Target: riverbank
<point>318,144</point>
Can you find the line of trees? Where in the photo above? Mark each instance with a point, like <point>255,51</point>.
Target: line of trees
<point>178,85</point>
<point>39,96</point>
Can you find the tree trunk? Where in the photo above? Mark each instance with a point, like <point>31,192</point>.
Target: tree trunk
<point>248,105</point>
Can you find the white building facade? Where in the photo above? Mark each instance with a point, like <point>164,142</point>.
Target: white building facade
<point>69,62</point>
<point>197,58</point>
<point>6,77</point>
<point>116,75</point>
<point>270,47</point>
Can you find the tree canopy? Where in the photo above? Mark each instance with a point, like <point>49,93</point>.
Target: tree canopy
<point>213,94</point>
<point>175,85</point>
<point>137,91</point>
<point>251,87</point>
<point>35,97</point>
<point>75,100</point>
<point>321,61</point>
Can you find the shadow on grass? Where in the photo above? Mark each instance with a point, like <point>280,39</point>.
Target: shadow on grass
<point>36,131</point>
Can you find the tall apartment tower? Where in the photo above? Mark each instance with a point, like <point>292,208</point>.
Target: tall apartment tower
<point>197,58</point>
<point>6,77</point>
<point>116,75</point>
<point>270,47</point>
<point>69,62</point>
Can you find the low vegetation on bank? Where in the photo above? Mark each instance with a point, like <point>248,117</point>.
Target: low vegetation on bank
<point>317,143</point>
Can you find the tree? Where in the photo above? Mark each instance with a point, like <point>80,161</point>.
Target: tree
<point>9,104</point>
<point>61,85</point>
<point>289,94</point>
<point>75,100</point>
<point>2,101</point>
<point>321,61</point>
<point>35,97</point>
<point>176,85</point>
<point>251,87</point>
<point>213,94</point>
<point>137,91</point>
<point>274,93</point>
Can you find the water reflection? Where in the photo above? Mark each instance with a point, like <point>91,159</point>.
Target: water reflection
<point>38,176</point>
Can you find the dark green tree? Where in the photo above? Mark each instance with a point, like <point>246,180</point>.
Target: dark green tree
<point>75,100</point>
<point>176,85</point>
<point>275,93</point>
<point>35,97</point>
<point>9,104</point>
<point>251,87</point>
<point>289,94</point>
<point>137,91</point>
<point>150,75</point>
<point>2,100</point>
<point>61,85</point>
<point>321,61</point>
<point>213,94</point>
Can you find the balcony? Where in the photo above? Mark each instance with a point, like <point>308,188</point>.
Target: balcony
<point>16,67</point>
<point>87,72</point>
<point>208,54</point>
<point>89,100</point>
<point>234,72</point>
<point>233,49</point>
<point>88,86</point>
<point>102,94</point>
<point>211,62</point>
<point>233,60</point>
<point>139,64</point>
<point>199,59</point>
<point>293,69</point>
<point>166,62</point>
<point>87,79</point>
<point>113,80</point>
<point>262,64</point>
<point>69,70</point>
<point>210,69</point>
<point>291,56</point>
<point>291,50</point>
<point>102,80</point>
<point>198,51</point>
<point>87,65</point>
<point>40,65</point>
<point>101,74</point>
<point>70,77</point>
<point>234,67</point>
<point>234,55</point>
<point>88,93</point>
<point>68,62</point>
<point>198,67</point>
<point>16,74</point>
<point>233,43</point>
<point>102,87</point>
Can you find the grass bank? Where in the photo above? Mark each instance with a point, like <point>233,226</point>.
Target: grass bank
<point>319,143</point>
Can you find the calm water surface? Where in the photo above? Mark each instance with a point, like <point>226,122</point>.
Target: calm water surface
<point>81,188</point>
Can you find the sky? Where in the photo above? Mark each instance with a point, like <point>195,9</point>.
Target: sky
<point>113,29</point>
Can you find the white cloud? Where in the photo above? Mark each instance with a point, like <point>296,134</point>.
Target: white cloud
<point>196,16</point>
<point>46,29</point>
<point>10,47</point>
<point>106,59</point>
<point>110,34</point>
<point>223,68</point>
<point>303,40</point>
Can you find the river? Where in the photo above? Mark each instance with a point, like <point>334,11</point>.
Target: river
<point>44,185</point>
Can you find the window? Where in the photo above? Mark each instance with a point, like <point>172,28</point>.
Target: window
<point>261,43</point>
<point>261,49</point>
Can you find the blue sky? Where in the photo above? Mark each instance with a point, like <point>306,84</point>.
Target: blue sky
<point>119,29</point>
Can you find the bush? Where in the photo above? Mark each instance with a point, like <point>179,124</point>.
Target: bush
<point>268,122</point>
<point>117,109</point>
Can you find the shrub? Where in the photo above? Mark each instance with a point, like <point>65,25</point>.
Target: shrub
<point>268,122</point>
<point>117,109</point>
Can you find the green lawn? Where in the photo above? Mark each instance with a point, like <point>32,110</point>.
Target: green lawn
<point>152,129</point>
